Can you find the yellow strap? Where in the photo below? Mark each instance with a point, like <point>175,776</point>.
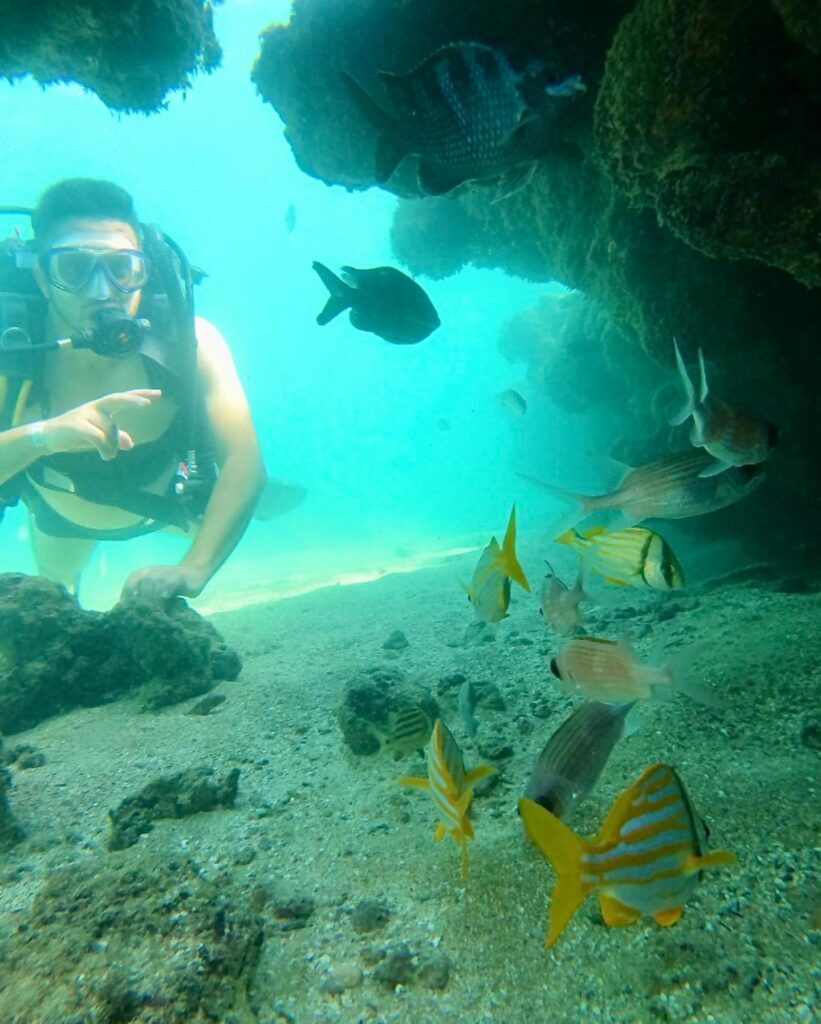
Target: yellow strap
<point>20,404</point>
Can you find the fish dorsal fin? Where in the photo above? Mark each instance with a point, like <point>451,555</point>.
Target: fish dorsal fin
<point>688,408</point>
<point>622,808</point>
<point>704,391</point>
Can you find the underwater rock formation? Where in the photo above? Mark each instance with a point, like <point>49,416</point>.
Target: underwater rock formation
<point>10,831</point>
<point>369,701</point>
<point>298,70</point>
<point>55,656</point>
<point>172,796</point>
<point>133,940</point>
<point>717,133</point>
<point>131,53</point>
<point>706,231</point>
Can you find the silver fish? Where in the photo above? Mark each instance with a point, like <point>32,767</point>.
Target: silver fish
<point>575,755</point>
<point>672,487</point>
<point>513,401</point>
<point>559,604</point>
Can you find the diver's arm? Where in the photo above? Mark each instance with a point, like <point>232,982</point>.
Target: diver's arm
<point>241,470</point>
<point>87,427</point>
<point>18,449</point>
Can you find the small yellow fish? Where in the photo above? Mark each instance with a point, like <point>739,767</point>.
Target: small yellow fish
<point>451,788</point>
<point>408,730</point>
<point>489,592</point>
<point>635,557</point>
<point>646,861</point>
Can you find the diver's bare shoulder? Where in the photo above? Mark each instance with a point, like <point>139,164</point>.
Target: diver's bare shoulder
<point>225,397</point>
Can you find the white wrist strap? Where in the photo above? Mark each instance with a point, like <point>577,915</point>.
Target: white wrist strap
<point>37,435</point>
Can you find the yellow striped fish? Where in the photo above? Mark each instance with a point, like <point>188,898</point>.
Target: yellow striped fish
<point>451,788</point>
<point>646,861</point>
<point>635,557</point>
<point>489,592</point>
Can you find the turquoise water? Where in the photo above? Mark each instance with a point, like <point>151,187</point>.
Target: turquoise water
<point>355,420</point>
<point>410,462</point>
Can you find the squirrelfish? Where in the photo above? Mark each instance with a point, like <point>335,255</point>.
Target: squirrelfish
<point>575,755</point>
<point>464,112</point>
<point>646,861</point>
<point>731,436</point>
<point>669,488</point>
<point>635,557</point>
<point>451,788</point>
<point>611,671</point>
<point>559,604</point>
<point>489,591</point>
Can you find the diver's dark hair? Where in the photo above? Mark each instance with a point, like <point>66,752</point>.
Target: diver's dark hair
<point>83,197</point>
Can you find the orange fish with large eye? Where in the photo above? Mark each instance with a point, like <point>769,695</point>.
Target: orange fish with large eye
<point>731,436</point>
<point>646,861</point>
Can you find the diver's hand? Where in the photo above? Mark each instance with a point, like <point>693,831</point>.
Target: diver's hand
<point>159,583</point>
<point>93,425</point>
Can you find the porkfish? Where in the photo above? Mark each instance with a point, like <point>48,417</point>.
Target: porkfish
<point>646,861</point>
<point>489,590</point>
<point>451,788</point>
<point>635,557</point>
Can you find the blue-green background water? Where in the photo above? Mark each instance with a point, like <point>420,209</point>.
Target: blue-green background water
<point>355,420</point>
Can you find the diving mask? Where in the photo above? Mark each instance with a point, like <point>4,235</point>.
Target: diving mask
<point>70,268</point>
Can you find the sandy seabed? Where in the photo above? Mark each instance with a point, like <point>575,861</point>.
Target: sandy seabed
<point>314,821</point>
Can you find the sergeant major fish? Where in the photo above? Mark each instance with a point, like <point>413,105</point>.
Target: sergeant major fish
<point>489,591</point>
<point>669,488</point>
<point>575,755</point>
<point>635,557</point>
<point>382,300</point>
<point>732,437</point>
<point>451,788</point>
<point>647,859</point>
<point>462,111</point>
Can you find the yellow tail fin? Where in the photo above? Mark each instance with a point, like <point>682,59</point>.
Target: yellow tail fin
<point>507,560</point>
<point>564,849</point>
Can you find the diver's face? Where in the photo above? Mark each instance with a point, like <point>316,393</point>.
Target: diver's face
<point>74,310</point>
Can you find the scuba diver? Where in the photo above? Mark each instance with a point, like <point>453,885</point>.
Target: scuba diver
<point>121,412</point>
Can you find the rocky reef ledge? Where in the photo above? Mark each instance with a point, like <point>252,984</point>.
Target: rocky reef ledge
<point>132,53</point>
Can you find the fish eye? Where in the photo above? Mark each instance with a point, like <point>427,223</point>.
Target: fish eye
<point>554,668</point>
<point>773,435</point>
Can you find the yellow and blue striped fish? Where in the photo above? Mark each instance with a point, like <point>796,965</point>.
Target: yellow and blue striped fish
<point>635,557</point>
<point>647,859</point>
<point>489,591</point>
<point>451,788</point>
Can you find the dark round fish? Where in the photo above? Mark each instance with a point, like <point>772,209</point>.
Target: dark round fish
<point>382,300</point>
<point>461,111</point>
